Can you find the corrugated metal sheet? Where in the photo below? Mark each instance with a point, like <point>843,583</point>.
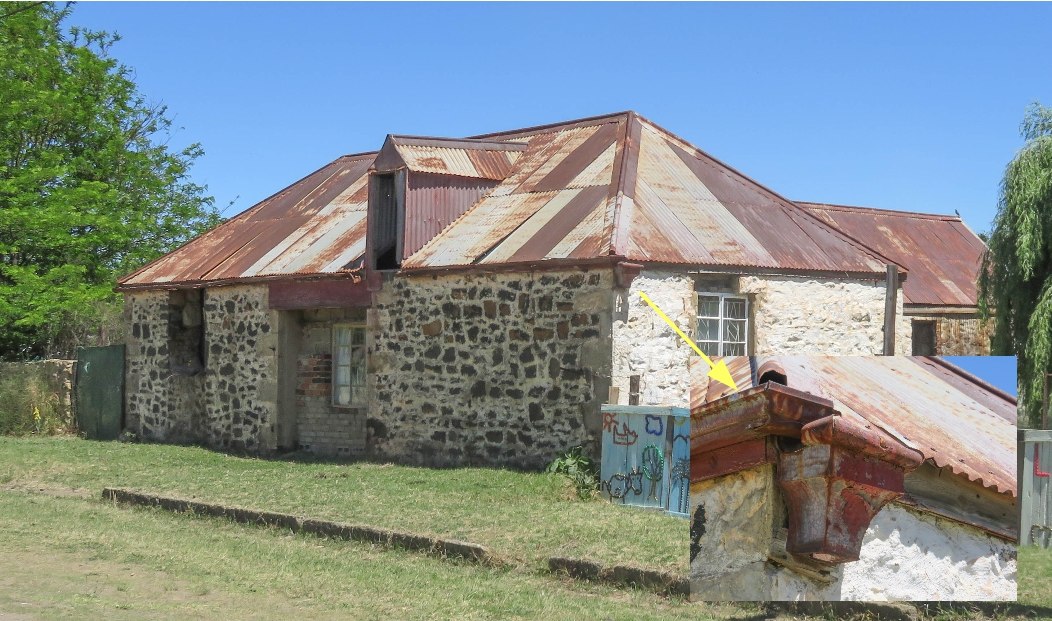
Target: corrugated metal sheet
<point>433,202</point>
<point>955,422</point>
<point>478,159</point>
<point>310,227</point>
<point>942,254</point>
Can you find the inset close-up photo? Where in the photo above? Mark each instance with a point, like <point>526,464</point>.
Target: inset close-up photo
<point>852,478</point>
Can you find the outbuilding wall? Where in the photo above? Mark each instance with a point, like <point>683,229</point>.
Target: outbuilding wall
<point>958,334</point>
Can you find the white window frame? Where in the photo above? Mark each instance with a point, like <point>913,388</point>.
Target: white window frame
<point>723,298</point>
<point>357,392</point>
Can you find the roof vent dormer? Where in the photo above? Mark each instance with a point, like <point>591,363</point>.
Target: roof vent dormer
<point>418,186</point>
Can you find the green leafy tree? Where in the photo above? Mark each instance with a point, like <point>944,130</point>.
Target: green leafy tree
<point>1015,284</point>
<point>89,189</point>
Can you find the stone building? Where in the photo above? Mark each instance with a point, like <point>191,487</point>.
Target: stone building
<point>852,478</point>
<point>468,301</point>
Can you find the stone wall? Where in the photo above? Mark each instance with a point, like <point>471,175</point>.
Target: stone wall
<point>241,378</point>
<point>906,554</point>
<point>224,393</point>
<point>323,428</point>
<point>505,368</point>
<point>958,335</point>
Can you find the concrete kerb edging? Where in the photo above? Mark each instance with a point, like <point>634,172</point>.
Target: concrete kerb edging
<point>622,575</point>
<point>323,528</point>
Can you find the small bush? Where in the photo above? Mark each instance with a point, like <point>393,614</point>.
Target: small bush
<point>580,471</point>
<point>27,406</point>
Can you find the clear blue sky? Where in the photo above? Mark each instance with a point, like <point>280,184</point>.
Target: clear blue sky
<point>903,106</point>
<point>997,370</point>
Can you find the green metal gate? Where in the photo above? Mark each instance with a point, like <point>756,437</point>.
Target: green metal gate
<point>100,391</point>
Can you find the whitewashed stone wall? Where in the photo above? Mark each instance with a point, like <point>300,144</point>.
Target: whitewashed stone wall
<point>822,316</point>
<point>790,314</point>
<point>506,368</point>
<point>645,345</point>
<point>906,554</point>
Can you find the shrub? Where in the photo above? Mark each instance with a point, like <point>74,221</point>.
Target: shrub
<point>27,406</point>
<point>580,471</point>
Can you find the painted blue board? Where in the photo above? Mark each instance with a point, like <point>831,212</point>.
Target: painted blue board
<point>639,465</point>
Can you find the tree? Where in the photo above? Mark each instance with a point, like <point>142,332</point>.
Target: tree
<point>89,189</point>
<point>1015,284</point>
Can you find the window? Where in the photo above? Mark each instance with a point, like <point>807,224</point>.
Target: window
<point>387,206</point>
<point>723,324</point>
<point>348,364</point>
<point>923,338</point>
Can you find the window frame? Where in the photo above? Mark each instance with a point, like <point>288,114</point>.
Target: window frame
<point>721,342</point>
<point>359,396</point>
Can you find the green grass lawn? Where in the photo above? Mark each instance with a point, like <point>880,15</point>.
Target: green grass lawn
<point>1035,577</point>
<point>522,517</point>
<point>75,557</point>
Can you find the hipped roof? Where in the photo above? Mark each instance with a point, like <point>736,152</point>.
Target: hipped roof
<point>616,186</point>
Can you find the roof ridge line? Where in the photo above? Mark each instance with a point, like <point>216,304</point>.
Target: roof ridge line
<point>549,126</point>
<point>618,187</point>
<point>890,212</point>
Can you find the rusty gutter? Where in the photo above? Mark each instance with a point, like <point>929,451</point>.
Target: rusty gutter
<point>199,284</point>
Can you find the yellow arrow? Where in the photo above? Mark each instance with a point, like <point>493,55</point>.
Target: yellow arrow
<point>717,370</point>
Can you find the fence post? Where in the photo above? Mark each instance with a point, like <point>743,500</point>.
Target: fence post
<point>1026,486</point>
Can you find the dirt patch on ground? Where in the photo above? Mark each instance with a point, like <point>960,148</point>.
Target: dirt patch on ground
<point>47,489</point>
<point>43,583</point>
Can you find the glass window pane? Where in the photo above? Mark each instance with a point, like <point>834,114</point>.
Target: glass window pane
<point>343,395</point>
<point>343,355</point>
<point>708,329</point>
<point>734,349</point>
<point>358,336</point>
<point>710,348</point>
<point>734,309</point>
<point>343,336</point>
<point>708,306</point>
<point>733,331</point>
<point>358,376</point>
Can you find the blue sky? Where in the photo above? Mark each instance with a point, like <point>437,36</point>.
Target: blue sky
<point>997,370</point>
<point>903,106</point>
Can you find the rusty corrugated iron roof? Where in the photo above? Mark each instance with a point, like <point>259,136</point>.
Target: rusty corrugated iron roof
<point>479,159</point>
<point>314,226</point>
<point>941,252</point>
<point>956,421</point>
<point>622,186</point>
<point>610,187</point>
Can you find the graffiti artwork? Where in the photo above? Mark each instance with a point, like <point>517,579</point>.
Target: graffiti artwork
<point>655,425</point>
<point>642,473</point>
<point>620,484</point>
<point>624,436</point>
